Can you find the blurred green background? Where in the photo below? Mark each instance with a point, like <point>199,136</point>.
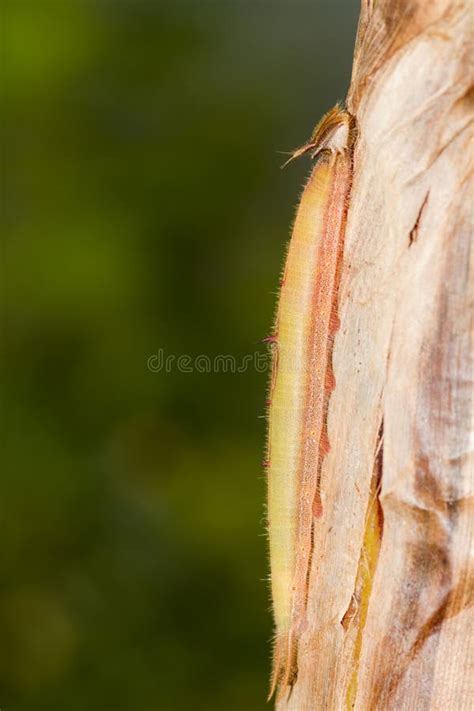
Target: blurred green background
<point>145,210</point>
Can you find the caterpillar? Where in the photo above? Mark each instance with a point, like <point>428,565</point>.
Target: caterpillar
<point>302,381</point>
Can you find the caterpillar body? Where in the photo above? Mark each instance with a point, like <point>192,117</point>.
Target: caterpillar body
<point>302,381</point>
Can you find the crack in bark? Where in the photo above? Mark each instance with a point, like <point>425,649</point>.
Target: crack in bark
<point>368,560</point>
<point>413,236</point>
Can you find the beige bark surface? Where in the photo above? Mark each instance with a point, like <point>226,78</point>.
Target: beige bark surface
<point>401,414</point>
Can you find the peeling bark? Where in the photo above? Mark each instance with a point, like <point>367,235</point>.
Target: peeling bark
<point>402,356</point>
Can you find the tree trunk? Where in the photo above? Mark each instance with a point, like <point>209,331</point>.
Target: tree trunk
<point>389,609</point>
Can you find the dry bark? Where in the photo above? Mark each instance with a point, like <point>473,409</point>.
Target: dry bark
<point>400,417</point>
